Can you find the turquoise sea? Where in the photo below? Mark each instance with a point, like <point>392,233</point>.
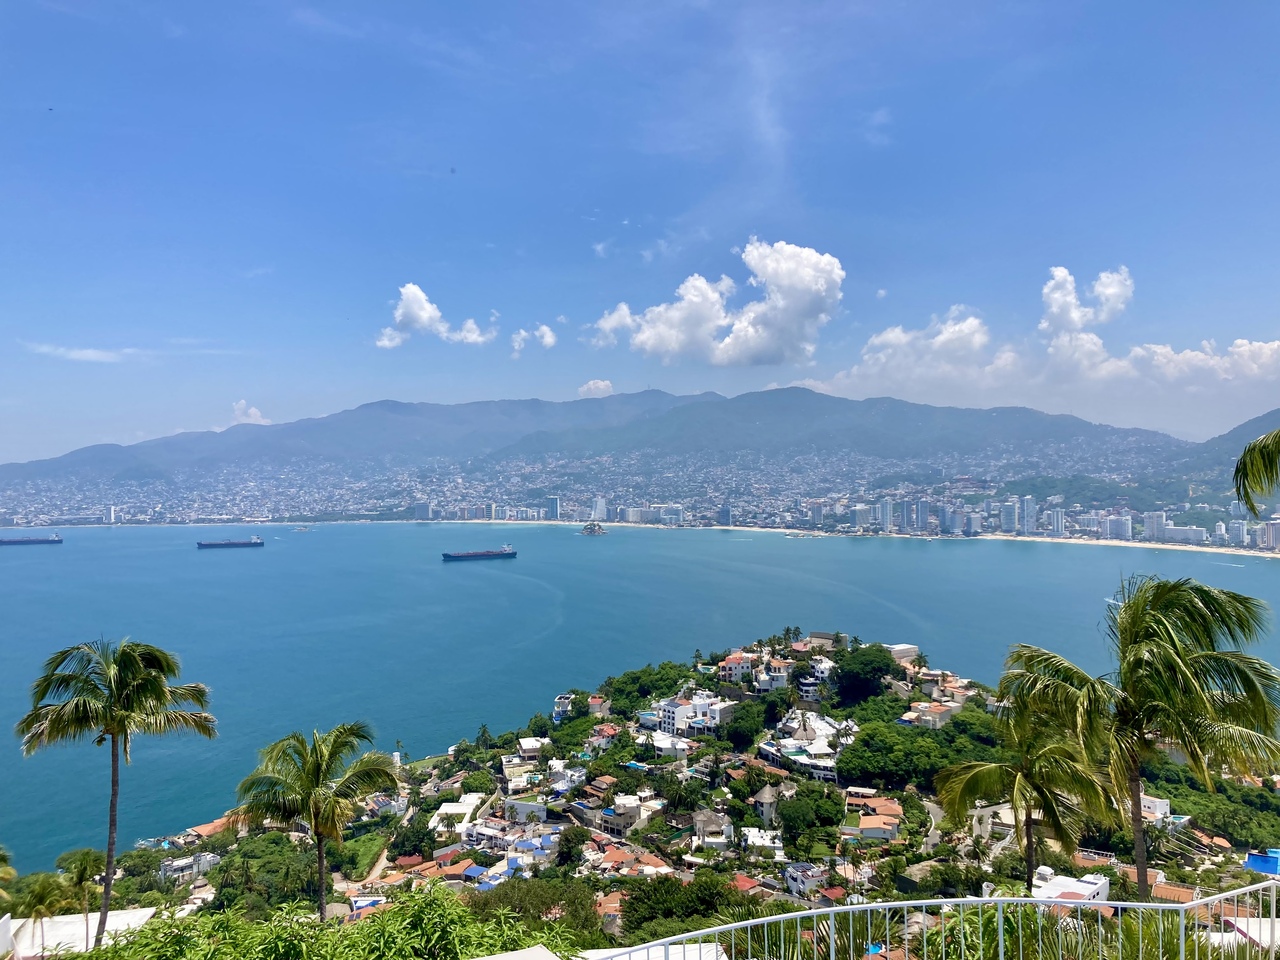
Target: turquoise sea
<point>364,621</point>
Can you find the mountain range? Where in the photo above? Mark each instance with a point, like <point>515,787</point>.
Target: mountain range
<point>791,421</point>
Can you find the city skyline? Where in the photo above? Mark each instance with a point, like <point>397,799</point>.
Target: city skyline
<point>316,209</point>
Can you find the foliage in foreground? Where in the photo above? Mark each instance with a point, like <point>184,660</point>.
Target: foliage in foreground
<point>432,922</point>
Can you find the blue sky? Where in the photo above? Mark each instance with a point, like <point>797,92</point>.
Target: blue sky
<point>218,212</point>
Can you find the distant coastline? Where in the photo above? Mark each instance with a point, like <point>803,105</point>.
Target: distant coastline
<point>808,534</point>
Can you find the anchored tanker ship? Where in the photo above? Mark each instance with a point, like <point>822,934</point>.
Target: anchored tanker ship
<point>29,541</point>
<point>222,544</point>
<point>507,552</point>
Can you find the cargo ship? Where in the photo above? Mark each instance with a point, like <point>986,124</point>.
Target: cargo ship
<point>223,544</point>
<point>29,541</point>
<point>507,552</point>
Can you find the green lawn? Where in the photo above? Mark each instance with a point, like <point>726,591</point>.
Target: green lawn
<point>369,847</point>
<point>425,764</point>
<point>853,819</point>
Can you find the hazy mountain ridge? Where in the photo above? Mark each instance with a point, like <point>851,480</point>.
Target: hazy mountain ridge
<point>384,429</point>
<point>775,423</point>
<point>796,420</point>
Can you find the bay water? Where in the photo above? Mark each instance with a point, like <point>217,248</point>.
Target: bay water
<point>364,622</point>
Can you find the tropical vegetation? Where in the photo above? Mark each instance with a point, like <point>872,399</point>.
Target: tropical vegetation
<point>1180,680</point>
<point>1257,471</point>
<point>1047,776</point>
<point>111,692</point>
<point>317,782</point>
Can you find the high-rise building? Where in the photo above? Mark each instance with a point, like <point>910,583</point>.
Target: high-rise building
<point>599,509</point>
<point>1117,528</point>
<point>1153,526</point>
<point>972,524</point>
<point>1176,534</point>
<point>422,511</point>
<point>886,514</point>
<point>726,516</point>
<point>922,514</point>
<point>1027,517</point>
<point>1009,517</point>
<point>110,516</point>
<point>817,511</point>
<point>1238,533</point>
<point>553,508</point>
<point>1058,522</point>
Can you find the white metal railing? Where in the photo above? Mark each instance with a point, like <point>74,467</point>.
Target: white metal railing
<point>1238,925</point>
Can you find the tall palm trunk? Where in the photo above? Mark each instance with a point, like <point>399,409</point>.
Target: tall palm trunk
<point>321,897</point>
<point>109,873</point>
<point>1139,834</point>
<point>1029,851</point>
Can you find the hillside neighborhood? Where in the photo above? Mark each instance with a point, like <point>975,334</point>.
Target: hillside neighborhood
<point>797,769</point>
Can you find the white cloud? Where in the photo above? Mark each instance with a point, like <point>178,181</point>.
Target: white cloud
<point>415,312</point>
<point>544,335</point>
<point>1067,367</point>
<point>243,413</point>
<point>800,292</point>
<point>596,388</point>
<point>602,248</point>
<point>84,355</point>
<point>881,293</point>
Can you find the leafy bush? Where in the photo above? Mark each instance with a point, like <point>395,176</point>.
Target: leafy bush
<point>430,923</point>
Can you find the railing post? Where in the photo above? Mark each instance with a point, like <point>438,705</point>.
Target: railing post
<point>1272,948</point>
<point>1000,929</point>
<point>831,934</point>
<point>666,952</point>
<point>1182,934</point>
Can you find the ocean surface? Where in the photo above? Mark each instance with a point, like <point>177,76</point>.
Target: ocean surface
<point>364,621</point>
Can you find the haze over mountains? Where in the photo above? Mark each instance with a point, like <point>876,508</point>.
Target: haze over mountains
<point>790,421</point>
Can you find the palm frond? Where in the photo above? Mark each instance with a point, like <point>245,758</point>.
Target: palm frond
<point>1257,471</point>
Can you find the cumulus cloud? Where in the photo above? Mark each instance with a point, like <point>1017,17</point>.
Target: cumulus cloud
<point>541,334</point>
<point>84,355</point>
<point>243,413</point>
<point>1065,365</point>
<point>416,313</point>
<point>881,293</point>
<point>1065,318</point>
<point>596,388</point>
<point>800,290</point>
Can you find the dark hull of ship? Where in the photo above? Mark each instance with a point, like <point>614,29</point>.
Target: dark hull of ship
<point>483,555</point>
<point>29,541</point>
<point>227,544</point>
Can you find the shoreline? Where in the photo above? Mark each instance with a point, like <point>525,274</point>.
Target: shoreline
<point>803,534</point>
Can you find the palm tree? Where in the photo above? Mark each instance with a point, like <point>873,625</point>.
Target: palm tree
<point>7,872</point>
<point>1046,776</point>
<point>111,691</point>
<point>920,661</point>
<point>80,869</point>
<point>1180,678</point>
<point>45,897</point>
<point>1257,471</point>
<point>319,782</point>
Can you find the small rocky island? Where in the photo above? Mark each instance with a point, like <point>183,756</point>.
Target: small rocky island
<point>594,529</point>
